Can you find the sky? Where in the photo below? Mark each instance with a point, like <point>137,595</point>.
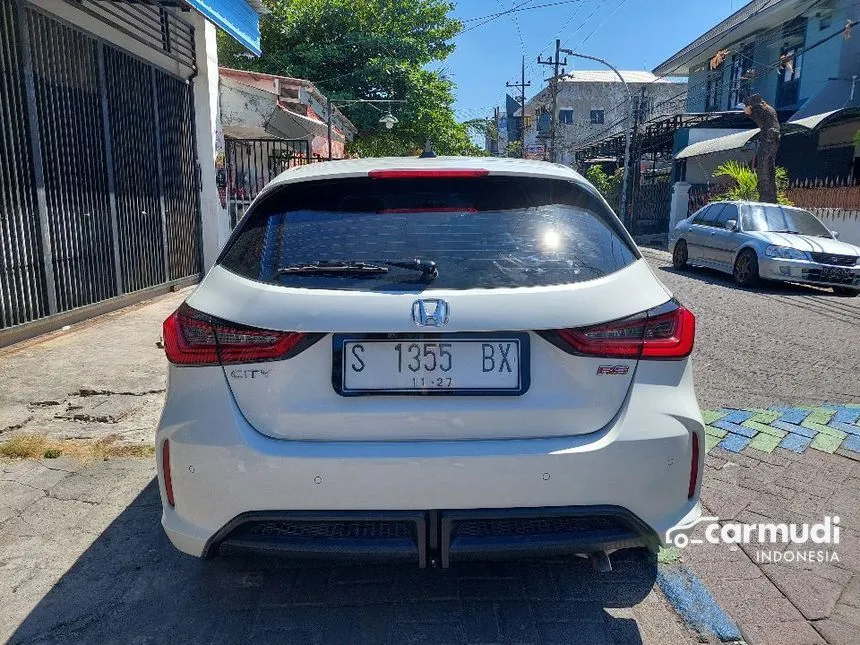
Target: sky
<point>630,34</point>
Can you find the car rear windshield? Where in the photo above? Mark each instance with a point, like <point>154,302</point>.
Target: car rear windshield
<point>770,217</point>
<point>483,232</point>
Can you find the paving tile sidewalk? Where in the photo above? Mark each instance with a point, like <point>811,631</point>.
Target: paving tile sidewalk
<point>785,602</point>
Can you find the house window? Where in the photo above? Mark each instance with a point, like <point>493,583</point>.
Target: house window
<point>565,116</point>
<point>789,76</point>
<point>597,116</point>
<point>714,91</point>
<point>740,76</point>
<point>824,21</point>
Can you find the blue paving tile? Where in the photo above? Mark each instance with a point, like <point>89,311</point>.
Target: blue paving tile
<point>792,415</point>
<point>737,416</point>
<point>735,428</point>
<point>851,443</point>
<point>850,428</point>
<point>846,415</point>
<point>794,429</point>
<point>795,443</point>
<point>734,443</point>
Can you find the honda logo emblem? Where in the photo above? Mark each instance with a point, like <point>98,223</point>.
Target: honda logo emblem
<point>430,313</point>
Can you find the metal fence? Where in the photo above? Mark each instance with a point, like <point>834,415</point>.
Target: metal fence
<point>649,208</point>
<point>100,197</point>
<point>250,164</point>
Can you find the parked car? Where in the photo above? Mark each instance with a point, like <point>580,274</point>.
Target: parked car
<point>753,241</point>
<point>432,359</point>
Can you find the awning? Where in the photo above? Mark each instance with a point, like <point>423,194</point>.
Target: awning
<point>837,95</point>
<point>718,144</point>
<point>289,125</point>
<point>237,17</point>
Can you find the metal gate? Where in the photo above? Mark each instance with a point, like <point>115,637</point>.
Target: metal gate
<point>649,208</point>
<point>98,185</point>
<point>250,164</point>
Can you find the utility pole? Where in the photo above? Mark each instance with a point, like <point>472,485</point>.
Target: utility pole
<point>553,84</point>
<point>638,120</point>
<point>522,85</point>
<point>625,180</point>
<point>496,130</point>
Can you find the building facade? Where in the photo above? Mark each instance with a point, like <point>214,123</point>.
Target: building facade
<point>592,105</point>
<point>803,58</point>
<point>107,178</point>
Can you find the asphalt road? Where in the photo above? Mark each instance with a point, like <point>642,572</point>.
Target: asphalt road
<point>776,344</point>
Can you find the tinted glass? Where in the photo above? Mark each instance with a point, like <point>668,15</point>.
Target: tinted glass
<point>708,216</point>
<point>729,211</point>
<point>481,233</point>
<point>770,217</point>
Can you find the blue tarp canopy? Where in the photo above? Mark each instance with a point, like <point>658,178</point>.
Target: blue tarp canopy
<point>237,17</point>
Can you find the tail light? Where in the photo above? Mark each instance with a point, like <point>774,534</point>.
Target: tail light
<point>694,467</point>
<point>195,338</point>
<point>665,332</point>
<point>165,468</point>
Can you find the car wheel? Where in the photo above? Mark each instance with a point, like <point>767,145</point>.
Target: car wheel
<point>846,291</point>
<point>746,268</point>
<point>679,255</point>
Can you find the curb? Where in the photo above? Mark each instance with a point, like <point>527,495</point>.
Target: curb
<point>695,604</point>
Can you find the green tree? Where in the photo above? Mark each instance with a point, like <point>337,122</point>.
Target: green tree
<point>745,183</point>
<point>368,49</point>
<point>607,185</point>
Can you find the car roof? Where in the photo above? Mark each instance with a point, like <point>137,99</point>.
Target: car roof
<point>361,167</point>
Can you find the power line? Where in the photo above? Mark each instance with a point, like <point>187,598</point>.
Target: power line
<point>516,10</point>
<point>496,16</point>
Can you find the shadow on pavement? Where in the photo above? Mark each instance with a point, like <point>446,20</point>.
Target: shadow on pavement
<point>712,276</point>
<point>132,586</point>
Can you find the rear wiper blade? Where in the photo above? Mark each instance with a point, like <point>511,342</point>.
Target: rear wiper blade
<point>327,267</point>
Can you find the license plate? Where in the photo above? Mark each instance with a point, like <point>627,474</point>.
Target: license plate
<point>451,364</point>
<point>834,273</point>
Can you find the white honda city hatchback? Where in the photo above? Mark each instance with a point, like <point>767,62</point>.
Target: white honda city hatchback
<point>432,360</point>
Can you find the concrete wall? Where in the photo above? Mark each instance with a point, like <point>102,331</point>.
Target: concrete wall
<point>847,223</point>
<point>216,225</point>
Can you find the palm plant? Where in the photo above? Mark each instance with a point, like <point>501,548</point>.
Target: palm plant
<point>745,180</point>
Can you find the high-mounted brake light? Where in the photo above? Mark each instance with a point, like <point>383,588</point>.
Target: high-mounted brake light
<point>694,467</point>
<point>194,338</point>
<point>653,334</point>
<point>421,173</point>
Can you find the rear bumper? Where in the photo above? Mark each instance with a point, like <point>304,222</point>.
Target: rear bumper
<point>807,272</point>
<point>222,470</point>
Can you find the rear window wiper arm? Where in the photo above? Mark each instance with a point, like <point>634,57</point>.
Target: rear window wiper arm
<point>355,267</point>
<point>327,267</point>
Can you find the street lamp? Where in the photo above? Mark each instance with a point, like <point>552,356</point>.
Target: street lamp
<point>388,119</point>
<point>626,130</point>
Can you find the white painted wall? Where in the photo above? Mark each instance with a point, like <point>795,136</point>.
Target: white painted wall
<point>847,223</point>
<point>216,224</point>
